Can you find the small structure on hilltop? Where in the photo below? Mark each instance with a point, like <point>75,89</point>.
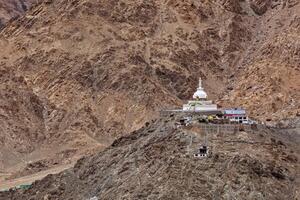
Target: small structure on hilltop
<point>202,152</point>
<point>208,112</point>
<point>200,102</point>
<point>237,115</point>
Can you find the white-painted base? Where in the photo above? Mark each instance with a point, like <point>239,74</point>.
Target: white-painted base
<point>200,106</point>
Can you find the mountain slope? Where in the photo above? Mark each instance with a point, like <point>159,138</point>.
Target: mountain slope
<point>157,162</point>
<point>102,68</point>
<point>21,112</point>
<point>11,9</point>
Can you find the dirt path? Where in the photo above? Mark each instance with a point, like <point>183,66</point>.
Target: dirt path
<point>31,178</point>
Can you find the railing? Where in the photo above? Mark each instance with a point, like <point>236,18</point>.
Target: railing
<point>226,128</point>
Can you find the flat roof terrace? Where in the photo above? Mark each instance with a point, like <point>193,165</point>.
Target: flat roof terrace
<point>178,112</point>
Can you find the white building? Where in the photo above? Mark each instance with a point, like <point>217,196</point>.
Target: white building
<point>200,102</point>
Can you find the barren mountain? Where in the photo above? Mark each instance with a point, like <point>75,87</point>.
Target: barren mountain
<point>157,162</point>
<point>82,72</point>
<point>11,9</point>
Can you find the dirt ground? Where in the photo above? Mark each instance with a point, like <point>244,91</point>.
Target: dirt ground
<point>25,180</point>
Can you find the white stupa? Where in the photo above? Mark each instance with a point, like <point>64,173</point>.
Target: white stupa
<point>200,102</point>
<point>200,93</point>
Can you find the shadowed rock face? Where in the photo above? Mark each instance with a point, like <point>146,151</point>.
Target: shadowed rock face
<point>11,9</point>
<point>154,163</point>
<point>102,68</point>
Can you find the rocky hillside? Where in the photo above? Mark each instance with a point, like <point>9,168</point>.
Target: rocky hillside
<point>157,162</point>
<point>21,119</point>
<point>26,130</point>
<point>97,69</point>
<point>268,81</point>
<point>11,9</point>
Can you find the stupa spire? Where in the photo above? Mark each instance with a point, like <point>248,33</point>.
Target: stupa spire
<point>200,82</point>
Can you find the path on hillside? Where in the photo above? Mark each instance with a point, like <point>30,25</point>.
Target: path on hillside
<point>33,177</point>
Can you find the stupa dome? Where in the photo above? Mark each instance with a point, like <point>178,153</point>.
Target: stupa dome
<point>200,93</point>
